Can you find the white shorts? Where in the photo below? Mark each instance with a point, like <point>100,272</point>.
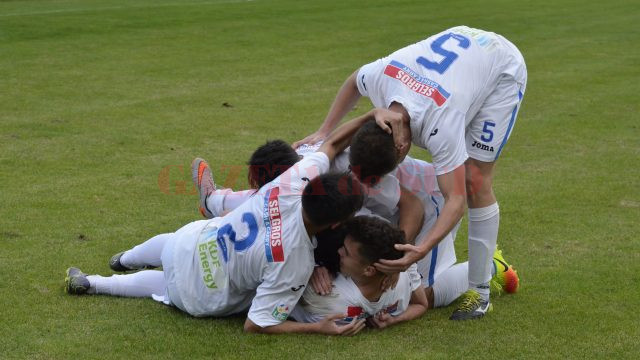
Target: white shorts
<point>489,130</point>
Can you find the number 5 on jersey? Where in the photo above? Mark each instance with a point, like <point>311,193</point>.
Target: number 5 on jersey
<point>449,56</point>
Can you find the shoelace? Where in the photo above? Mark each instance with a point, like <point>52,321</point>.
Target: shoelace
<point>471,300</point>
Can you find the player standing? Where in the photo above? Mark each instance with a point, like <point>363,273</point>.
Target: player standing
<point>456,94</point>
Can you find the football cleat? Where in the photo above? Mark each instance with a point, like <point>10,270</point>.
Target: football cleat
<point>471,307</point>
<point>116,265</point>
<point>76,282</point>
<point>203,180</point>
<point>506,278</point>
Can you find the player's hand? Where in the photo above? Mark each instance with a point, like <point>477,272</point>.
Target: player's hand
<point>314,138</point>
<point>328,326</point>
<point>392,122</point>
<point>381,320</point>
<point>412,254</point>
<point>321,280</point>
<point>390,281</point>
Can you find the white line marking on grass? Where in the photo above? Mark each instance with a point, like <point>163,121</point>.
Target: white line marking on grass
<point>61,11</point>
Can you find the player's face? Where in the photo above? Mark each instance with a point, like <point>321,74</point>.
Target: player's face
<point>351,263</point>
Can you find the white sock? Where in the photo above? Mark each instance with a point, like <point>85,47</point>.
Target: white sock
<point>140,284</point>
<point>146,254</point>
<point>215,201</point>
<point>483,236</point>
<point>235,199</point>
<point>450,284</point>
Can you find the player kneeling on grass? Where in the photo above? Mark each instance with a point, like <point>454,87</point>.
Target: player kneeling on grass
<point>357,289</point>
<point>255,258</point>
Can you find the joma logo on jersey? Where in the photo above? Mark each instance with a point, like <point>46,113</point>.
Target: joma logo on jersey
<point>417,83</point>
<point>482,146</point>
<point>273,223</point>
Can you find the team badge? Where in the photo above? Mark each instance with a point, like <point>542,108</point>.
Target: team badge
<point>280,312</point>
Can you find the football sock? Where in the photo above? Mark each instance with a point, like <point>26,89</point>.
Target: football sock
<point>235,199</point>
<point>140,284</point>
<point>146,254</point>
<point>483,236</point>
<point>215,201</point>
<point>450,284</point>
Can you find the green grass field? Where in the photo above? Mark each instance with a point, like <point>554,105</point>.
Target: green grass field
<point>104,103</point>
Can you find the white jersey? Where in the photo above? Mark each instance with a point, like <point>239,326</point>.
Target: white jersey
<point>442,82</point>
<point>419,178</point>
<point>346,298</point>
<point>380,199</point>
<point>259,256</point>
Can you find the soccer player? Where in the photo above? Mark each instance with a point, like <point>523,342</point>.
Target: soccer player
<point>444,280</point>
<point>357,289</point>
<point>456,94</point>
<point>274,157</point>
<point>256,258</point>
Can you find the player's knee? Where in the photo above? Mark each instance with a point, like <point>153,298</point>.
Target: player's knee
<point>473,179</point>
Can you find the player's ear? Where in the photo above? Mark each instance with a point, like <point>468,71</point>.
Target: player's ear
<point>370,270</point>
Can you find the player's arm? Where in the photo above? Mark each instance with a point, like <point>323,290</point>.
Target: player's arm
<point>452,186</point>
<point>410,214</point>
<point>341,137</point>
<point>417,307</point>
<point>326,326</point>
<point>345,100</point>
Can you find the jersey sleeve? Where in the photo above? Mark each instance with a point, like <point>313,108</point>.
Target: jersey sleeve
<point>280,290</point>
<point>414,277</point>
<point>367,76</point>
<point>382,199</point>
<point>296,177</point>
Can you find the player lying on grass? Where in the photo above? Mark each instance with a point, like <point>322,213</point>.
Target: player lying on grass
<point>357,289</point>
<point>255,258</point>
<point>276,156</point>
<point>456,94</point>
<point>443,279</point>
<point>408,191</point>
<point>444,283</point>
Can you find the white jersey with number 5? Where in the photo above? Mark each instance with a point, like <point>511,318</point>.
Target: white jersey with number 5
<point>442,82</point>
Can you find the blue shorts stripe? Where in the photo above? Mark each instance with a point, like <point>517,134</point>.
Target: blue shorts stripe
<point>511,122</point>
<point>434,251</point>
<point>432,266</point>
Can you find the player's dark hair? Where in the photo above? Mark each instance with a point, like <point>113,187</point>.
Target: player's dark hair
<point>376,238</point>
<point>373,153</point>
<point>326,253</point>
<point>269,161</point>
<point>331,198</point>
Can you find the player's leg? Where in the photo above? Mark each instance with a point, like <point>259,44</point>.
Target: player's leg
<point>221,201</point>
<point>453,282</point>
<point>486,136</point>
<point>141,256</point>
<point>141,284</point>
<point>214,202</point>
<point>484,220</point>
<point>449,285</point>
